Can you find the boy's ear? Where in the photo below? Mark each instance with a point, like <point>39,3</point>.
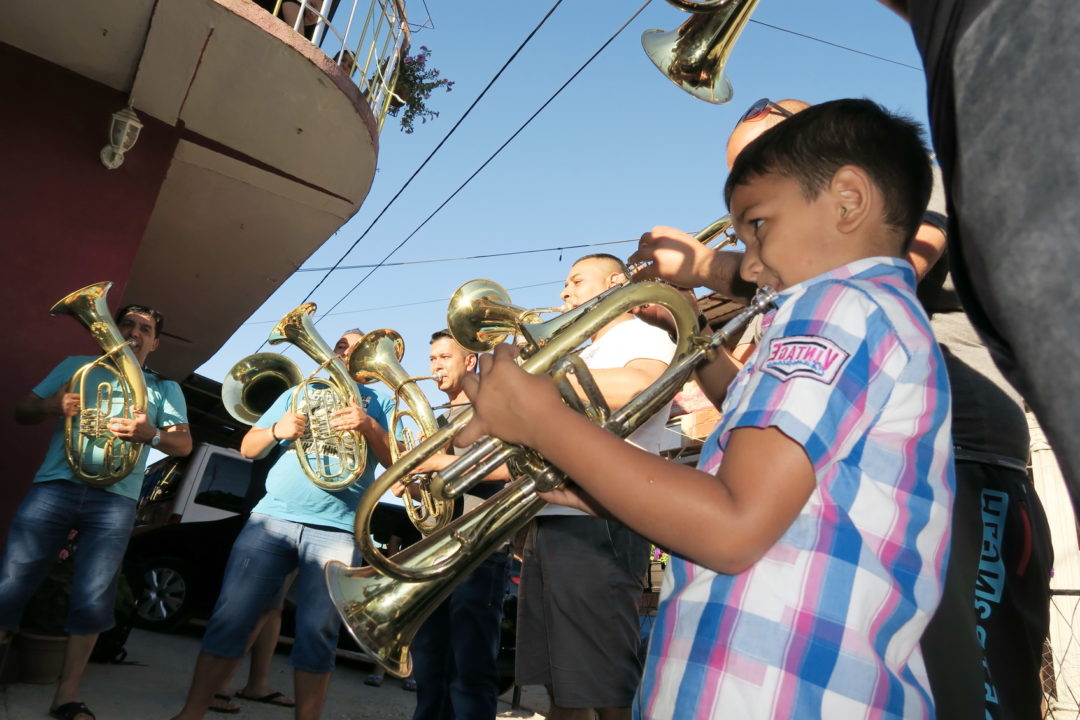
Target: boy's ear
<point>854,196</point>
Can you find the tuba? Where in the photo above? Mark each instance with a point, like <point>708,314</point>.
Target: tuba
<point>330,458</point>
<point>89,434</point>
<point>384,605</point>
<point>693,55</point>
<point>377,357</point>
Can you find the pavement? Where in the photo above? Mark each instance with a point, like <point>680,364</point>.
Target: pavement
<point>153,682</point>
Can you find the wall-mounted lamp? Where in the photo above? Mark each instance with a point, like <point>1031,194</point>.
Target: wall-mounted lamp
<point>123,132</point>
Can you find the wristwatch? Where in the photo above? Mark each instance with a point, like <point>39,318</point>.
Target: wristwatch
<point>156,440</point>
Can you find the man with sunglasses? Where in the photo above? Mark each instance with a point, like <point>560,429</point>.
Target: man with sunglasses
<point>996,598</point>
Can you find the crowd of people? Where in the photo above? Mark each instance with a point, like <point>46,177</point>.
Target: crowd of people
<point>860,537</point>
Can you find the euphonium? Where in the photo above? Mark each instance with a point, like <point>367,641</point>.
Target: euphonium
<point>377,357</point>
<point>385,604</point>
<point>90,434</point>
<point>330,458</point>
<point>693,55</point>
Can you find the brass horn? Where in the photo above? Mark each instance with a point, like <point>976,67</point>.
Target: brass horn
<point>377,357</point>
<point>384,604</point>
<point>693,55</point>
<point>331,459</point>
<point>481,316</point>
<point>95,455</point>
<point>254,383</point>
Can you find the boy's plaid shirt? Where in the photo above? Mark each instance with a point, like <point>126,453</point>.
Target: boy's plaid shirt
<point>827,623</point>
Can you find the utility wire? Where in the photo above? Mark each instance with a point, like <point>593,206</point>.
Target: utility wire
<point>484,256</point>
<point>381,308</point>
<point>836,45</point>
<point>491,157</point>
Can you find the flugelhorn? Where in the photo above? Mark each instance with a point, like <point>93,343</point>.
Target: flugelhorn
<point>384,604</point>
<point>331,459</point>
<point>95,454</point>
<point>377,357</point>
<point>693,55</point>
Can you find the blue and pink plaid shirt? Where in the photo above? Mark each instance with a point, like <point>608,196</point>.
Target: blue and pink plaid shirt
<point>827,623</point>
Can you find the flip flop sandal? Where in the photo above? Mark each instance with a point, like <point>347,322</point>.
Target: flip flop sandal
<point>274,698</point>
<point>228,710</point>
<point>70,711</point>
<point>373,680</point>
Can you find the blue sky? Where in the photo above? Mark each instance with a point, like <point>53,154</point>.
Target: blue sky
<point>619,151</point>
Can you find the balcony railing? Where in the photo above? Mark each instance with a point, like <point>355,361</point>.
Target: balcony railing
<point>367,40</point>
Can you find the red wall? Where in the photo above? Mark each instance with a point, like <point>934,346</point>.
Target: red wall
<point>65,222</point>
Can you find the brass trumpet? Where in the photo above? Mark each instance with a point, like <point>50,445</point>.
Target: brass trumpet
<point>377,357</point>
<point>330,458</point>
<point>383,605</point>
<point>96,456</point>
<point>693,55</point>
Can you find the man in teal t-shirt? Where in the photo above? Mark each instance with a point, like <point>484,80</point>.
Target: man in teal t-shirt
<point>295,526</point>
<point>59,502</point>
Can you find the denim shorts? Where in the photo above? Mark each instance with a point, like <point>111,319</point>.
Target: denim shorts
<point>38,532</point>
<point>267,550</point>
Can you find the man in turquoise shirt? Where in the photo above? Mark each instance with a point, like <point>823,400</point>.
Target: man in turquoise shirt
<point>59,502</point>
<point>296,526</point>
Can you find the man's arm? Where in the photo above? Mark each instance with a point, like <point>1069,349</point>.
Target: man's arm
<point>926,249</point>
<point>32,410</point>
<point>258,440</point>
<point>620,385</point>
<point>683,261</point>
<point>175,440</point>
<point>724,522</point>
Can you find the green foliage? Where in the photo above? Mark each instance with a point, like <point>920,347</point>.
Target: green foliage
<point>413,87</point>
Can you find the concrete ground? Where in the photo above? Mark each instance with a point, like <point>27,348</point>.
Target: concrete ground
<point>154,681</point>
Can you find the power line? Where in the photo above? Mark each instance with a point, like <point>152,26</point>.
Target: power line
<point>835,45</point>
<point>484,256</point>
<point>491,157</point>
<point>409,304</point>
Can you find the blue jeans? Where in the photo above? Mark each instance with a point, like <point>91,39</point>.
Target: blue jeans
<point>264,554</point>
<point>454,652</point>
<point>38,532</point>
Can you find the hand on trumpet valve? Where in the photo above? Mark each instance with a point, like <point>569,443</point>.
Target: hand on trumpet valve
<point>673,256</point>
<point>290,426</point>
<point>352,417</point>
<point>399,489</point>
<point>507,400</point>
<point>137,428</point>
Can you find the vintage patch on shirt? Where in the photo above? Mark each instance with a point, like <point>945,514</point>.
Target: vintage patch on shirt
<point>809,356</point>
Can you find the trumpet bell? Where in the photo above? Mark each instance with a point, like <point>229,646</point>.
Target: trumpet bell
<point>370,605</point>
<point>480,315</point>
<point>254,383</point>
<point>693,55</point>
<point>376,351</point>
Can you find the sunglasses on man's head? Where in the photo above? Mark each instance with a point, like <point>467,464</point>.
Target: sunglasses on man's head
<point>762,108</point>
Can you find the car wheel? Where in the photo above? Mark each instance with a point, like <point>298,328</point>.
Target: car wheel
<point>163,594</point>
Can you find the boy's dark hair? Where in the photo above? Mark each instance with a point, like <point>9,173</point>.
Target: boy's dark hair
<point>159,321</point>
<point>439,335</point>
<point>812,145</point>
<point>605,256</point>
